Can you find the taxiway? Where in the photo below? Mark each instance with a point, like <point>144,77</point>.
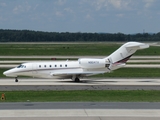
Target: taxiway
<point>80,111</point>
<point>85,84</point>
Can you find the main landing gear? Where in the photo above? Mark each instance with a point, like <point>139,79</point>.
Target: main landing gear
<point>16,79</point>
<point>75,78</point>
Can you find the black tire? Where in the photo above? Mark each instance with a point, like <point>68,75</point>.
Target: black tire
<point>77,80</point>
<point>16,80</point>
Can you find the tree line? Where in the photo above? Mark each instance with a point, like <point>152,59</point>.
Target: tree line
<point>39,36</point>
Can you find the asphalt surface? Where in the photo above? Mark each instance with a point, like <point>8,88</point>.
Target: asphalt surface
<point>79,111</point>
<point>79,105</point>
<point>85,84</point>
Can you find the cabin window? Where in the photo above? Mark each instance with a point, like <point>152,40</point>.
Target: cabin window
<point>55,65</point>
<point>60,65</point>
<point>39,66</point>
<point>65,65</point>
<point>50,66</point>
<point>44,65</point>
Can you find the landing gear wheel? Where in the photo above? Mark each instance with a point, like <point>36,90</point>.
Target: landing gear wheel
<point>16,80</point>
<point>77,79</point>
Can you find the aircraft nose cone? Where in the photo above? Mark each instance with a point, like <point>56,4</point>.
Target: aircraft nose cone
<point>9,73</point>
<point>5,73</point>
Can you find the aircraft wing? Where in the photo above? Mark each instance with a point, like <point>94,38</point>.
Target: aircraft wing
<point>87,73</point>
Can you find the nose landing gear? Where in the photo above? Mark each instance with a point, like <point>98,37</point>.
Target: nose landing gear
<point>16,79</point>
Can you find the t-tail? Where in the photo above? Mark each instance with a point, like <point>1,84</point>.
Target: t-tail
<point>119,58</point>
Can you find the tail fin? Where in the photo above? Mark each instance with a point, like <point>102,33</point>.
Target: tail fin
<point>121,55</point>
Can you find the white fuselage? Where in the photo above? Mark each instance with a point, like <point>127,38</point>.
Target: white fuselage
<point>50,69</point>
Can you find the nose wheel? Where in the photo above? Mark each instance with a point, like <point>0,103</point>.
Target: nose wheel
<point>16,79</point>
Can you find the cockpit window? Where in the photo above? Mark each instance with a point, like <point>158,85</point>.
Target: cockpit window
<point>21,66</point>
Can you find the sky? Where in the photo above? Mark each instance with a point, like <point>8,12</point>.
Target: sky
<point>91,16</point>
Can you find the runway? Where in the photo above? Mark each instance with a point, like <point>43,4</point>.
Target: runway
<point>79,105</point>
<point>85,84</point>
<point>80,111</point>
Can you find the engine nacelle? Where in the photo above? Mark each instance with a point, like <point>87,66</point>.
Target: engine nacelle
<point>91,63</point>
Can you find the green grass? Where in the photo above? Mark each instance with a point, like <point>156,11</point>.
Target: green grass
<point>133,72</point>
<point>67,49</point>
<point>84,95</point>
<point>55,49</point>
<point>37,59</point>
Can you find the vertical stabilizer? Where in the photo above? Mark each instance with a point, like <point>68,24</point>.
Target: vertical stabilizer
<point>121,55</point>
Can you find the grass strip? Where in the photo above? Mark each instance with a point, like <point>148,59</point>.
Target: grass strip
<point>37,59</point>
<point>132,73</point>
<point>83,95</point>
<point>67,49</point>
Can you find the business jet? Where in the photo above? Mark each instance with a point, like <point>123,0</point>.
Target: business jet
<point>77,69</point>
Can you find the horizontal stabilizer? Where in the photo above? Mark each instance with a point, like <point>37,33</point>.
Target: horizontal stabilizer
<point>137,46</point>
